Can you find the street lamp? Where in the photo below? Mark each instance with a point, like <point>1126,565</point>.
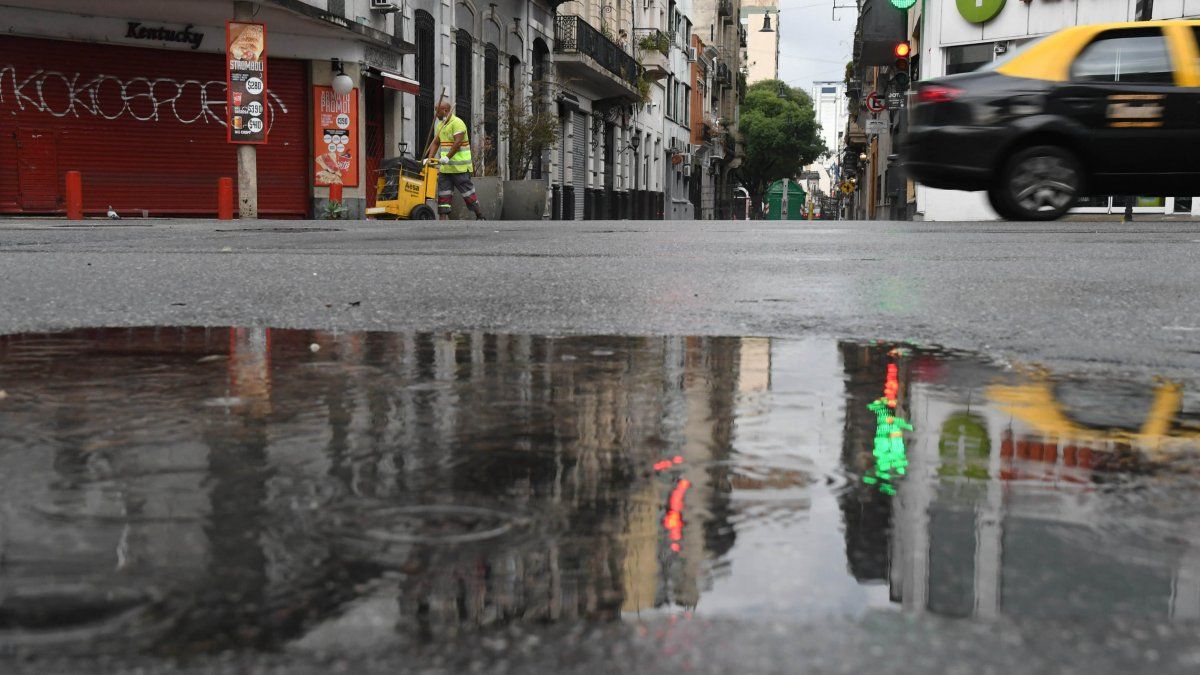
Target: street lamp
<point>342,84</point>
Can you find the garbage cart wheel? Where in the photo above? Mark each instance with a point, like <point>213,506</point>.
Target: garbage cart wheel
<point>422,212</point>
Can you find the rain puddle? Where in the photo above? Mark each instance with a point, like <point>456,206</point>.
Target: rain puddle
<point>191,490</point>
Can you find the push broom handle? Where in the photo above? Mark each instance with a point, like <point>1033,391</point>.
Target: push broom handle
<point>428,141</point>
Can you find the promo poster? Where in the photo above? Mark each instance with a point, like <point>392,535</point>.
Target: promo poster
<point>246,78</point>
<point>335,137</point>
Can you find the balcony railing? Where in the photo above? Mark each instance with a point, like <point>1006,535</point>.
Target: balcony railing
<point>573,35</point>
<point>742,35</point>
<point>652,39</point>
<point>723,74</point>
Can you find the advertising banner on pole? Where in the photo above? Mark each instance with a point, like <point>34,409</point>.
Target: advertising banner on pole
<point>246,81</point>
<point>335,137</point>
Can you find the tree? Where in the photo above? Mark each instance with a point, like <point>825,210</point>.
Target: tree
<point>530,126</point>
<point>781,135</point>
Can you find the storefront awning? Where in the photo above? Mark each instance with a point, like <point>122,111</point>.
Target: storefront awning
<point>399,82</point>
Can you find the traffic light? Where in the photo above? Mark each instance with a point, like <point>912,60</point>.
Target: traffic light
<point>903,4</point>
<point>902,51</point>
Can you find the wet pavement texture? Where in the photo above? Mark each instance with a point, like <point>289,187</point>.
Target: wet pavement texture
<point>1096,297</point>
<point>314,501</point>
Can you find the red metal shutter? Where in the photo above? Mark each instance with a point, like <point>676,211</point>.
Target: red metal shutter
<point>144,126</point>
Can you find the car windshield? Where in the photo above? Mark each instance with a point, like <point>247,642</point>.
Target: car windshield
<point>1009,56</point>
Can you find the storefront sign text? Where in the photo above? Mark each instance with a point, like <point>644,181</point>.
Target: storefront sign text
<point>137,31</point>
<point>335,137</point>
<point>246,75</point>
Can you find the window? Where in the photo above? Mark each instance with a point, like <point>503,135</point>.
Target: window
<point>1128,56</point>
<point>966,58</point>
<point>491,105</point>
<point>425,73</point>
<point>670,112</point>
<point>462,76</point>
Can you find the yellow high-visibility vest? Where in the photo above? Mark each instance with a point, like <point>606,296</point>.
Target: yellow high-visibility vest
<point>461,161</point>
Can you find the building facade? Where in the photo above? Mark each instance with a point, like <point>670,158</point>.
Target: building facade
<point>719,29</point>
<point>677,112</point>
<point>133,96</point>
<point>760,54</point>
<point>81,81</point>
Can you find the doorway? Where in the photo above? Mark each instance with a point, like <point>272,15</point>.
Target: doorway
<point>37,170</point>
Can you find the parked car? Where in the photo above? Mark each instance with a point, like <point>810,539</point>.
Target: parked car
<point>1089,110</point>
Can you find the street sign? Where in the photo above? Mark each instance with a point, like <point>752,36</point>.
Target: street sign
<point>979,11</point>
<point>874,103</point>
<point>895,100</point>
<point>876,127</point>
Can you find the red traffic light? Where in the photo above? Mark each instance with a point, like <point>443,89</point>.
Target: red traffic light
<point>902,50</point>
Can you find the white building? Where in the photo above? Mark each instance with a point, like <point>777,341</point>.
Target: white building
<point>956,45</point>
<point>677,114</point>
<point>829,106</point>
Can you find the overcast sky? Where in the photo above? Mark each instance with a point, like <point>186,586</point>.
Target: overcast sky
<point>812,46</point>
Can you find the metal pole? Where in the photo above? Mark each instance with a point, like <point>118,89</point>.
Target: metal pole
<point>1143,11</point>
<point>247,155</point>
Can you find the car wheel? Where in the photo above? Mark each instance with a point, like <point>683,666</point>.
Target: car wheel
<point>422,212</point>
<point>1039,183</point>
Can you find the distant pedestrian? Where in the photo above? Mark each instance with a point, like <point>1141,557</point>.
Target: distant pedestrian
<point>452,149</point>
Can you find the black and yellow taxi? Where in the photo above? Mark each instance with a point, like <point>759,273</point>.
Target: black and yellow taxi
<point>1089,110</point>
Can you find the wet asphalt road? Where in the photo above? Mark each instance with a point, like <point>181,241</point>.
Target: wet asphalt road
<point>1098,298</point>
<point>1087,295</point>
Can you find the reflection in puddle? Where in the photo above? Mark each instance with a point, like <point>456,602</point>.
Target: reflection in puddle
<point>268,489</point>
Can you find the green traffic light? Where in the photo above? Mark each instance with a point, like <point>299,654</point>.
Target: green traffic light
<point>903,4</point>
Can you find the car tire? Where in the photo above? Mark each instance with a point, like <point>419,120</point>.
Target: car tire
<point>422,212</point>
<point>997,204</point>
<point>1039,183</point>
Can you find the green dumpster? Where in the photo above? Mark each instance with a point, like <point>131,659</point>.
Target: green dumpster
<point>785,200</point>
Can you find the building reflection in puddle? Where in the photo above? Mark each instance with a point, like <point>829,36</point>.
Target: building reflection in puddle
<point>271,488</point>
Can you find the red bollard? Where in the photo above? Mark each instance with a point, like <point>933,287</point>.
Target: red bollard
<point>335,192</point>
<point>225,199</point>
<point>74,195</point>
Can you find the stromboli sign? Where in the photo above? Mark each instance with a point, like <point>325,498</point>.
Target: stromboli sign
<point>246,75</point>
